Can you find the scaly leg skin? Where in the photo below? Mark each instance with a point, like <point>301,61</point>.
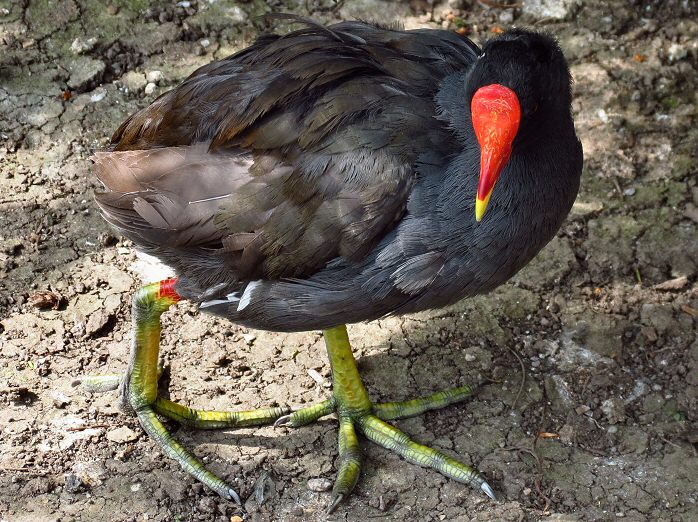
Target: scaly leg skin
<point>139,389</point>
<point>356,412</point>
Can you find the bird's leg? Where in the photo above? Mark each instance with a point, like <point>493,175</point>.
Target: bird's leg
<point>139,389</point>
<point>356,412</point>
<point>352,403</point>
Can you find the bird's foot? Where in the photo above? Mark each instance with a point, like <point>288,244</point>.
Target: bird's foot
<point>357,413</point>
<point>139,391</point>
<point>372,425</point>
<point>200,419</point>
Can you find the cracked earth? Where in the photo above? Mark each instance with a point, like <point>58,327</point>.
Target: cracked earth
<point>588,358</point>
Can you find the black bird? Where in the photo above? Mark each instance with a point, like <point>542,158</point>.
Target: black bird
<point>334,175</point>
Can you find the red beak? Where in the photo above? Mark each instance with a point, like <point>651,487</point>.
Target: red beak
<point>496,114</point>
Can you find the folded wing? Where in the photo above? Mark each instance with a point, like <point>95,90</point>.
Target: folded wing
<point>298,150</point>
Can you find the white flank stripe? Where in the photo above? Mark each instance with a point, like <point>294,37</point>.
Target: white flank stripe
<point>207,304</point>
<point>230,298</point>
<point>247,294</point>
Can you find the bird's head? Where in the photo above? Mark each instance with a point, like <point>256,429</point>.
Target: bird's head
<point>518,88</point>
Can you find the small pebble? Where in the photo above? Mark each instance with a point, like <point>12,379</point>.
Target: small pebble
<point>149,88</point>
<point>319,484</point>
<point>207,505</point>
<point>122,434</point>
<point>45,299</point>
<point>630,191</point>
<point>74,484</point>
<point>97,321</point>
<point>315,375</point>
<point>80,46</point>
<point>603,115</point>
<point>154,76</point>
<point>60,400</point>
<point>236,15</point>
<point>581,409</point>
<point>677,52</point>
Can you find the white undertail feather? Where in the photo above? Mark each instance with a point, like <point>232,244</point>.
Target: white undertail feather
<point>150,269</point>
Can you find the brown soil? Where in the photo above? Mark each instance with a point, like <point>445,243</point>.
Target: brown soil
<point>589,358</point>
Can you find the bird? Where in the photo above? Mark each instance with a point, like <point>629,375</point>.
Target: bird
<point>331,175</point>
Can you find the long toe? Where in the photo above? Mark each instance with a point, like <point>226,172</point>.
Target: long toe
<point>173,449</point>
<point>401,410</point>
<point>212,419</point>
<point>349,463</point>
<point>391,438</point>
<point>98,383</point>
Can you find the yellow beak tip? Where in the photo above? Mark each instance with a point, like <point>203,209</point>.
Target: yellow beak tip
<point>481,207</point>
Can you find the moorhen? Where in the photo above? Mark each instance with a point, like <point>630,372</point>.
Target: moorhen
<point>334,175</point>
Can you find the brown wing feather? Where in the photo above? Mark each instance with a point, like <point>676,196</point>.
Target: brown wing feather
<point>278,159</point>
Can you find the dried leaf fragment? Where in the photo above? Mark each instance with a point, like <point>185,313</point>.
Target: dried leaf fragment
<point>44,299</point>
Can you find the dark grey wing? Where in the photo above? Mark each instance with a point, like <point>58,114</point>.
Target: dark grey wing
<point>296,151</point>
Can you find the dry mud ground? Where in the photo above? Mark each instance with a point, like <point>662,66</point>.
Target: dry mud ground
<point>589,358</point>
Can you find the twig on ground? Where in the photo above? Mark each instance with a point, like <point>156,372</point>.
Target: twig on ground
<point>523,377</point>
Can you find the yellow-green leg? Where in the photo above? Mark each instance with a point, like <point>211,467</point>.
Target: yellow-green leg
<point>139,390</point>
<point>356,412</point>
<point>350,401</point>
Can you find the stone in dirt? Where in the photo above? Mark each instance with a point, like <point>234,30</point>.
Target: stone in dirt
<point>134,81</point>
<point>84,71</point>
<point>97,322</point>
<point>83,45</point>
<point>552,9</point>
<point>319,484</point>
<point>122,434</point>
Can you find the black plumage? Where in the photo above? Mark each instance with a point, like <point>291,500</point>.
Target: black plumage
<point>328,176</point>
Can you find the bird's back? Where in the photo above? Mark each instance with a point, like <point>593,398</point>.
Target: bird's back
<point>300,88</point>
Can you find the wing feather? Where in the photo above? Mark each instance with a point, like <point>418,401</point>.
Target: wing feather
<point>273,162</point>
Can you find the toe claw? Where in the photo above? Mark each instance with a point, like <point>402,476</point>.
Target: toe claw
<point>283,421</point>
<point>232,495</point>
<point>336,501</point>
<point>487,489</point>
